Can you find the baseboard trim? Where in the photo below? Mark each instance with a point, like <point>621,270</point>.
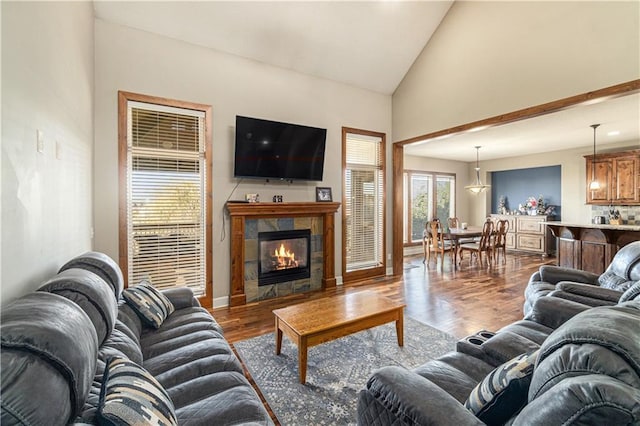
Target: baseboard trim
<point>221,302</point>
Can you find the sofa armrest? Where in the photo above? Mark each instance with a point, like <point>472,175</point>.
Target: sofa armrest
<point>554,274</point>
<point>412,399</point>
<point>554,311</point>
<point>181,297</point>
<point>588,291</point>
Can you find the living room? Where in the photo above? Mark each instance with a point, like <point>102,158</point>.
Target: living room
<point>63,65</point>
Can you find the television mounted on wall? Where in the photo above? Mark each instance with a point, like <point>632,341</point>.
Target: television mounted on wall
<point>273,150</point>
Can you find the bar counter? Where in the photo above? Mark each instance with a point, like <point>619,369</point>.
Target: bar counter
<point>590,247</point>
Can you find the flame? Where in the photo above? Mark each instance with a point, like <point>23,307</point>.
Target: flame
<point>286,259</point>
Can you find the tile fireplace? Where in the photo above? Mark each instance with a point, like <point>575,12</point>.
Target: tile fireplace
<point>250,220</point>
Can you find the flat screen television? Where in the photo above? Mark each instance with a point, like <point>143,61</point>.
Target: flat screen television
<point>272,150</point>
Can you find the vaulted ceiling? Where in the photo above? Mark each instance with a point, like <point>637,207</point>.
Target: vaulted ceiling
<point>367,44</point>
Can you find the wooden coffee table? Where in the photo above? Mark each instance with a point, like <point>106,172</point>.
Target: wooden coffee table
<point>318,321</point>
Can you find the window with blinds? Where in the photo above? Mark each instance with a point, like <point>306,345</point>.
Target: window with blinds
<point>167,174</point>
<point>363,207</point>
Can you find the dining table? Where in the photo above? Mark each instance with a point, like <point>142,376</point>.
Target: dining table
<point>458,234</point>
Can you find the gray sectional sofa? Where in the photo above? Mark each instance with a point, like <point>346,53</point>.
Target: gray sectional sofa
<point>564,364</point>
<point>57,341</point>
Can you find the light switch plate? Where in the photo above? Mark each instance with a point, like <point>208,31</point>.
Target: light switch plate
<point>40,141</point>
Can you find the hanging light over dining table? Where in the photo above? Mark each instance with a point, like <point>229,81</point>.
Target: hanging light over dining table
<point>477,187</point>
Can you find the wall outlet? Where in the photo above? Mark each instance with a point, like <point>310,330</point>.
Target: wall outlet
<point>58,150</point>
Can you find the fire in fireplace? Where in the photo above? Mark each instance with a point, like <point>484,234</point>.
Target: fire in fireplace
<point>283,256</point>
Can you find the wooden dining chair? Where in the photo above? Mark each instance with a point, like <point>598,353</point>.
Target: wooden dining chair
<point>454,222</point>
<point>438,243</point>
<point>500,240</point>
<point>484,245</point>
<point>426,240</point>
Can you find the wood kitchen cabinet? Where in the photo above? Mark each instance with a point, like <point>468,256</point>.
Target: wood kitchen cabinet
<point>619,177</point>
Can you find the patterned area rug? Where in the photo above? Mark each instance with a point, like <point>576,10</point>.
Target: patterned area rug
<point>336,371</point>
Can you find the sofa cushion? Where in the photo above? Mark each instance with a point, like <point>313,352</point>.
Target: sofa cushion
<point>503,392</point>
<point>49,352</point>
<point>152,306</point>
<point>101,265</point>
<point>456,373</point>
<point>221,398</point>
<point>130,395</point>
<point>91,293</point>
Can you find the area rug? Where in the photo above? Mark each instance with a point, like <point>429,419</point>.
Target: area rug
<point>336,370</point>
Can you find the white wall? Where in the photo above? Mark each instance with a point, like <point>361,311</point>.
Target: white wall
<point>490,58</point>
<point>47,85</point>
<point>141,62</point>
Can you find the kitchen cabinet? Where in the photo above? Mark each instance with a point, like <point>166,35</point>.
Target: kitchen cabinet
<point>619,177</point>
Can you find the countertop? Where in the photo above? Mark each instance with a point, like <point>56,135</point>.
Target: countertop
<point>594,226</point>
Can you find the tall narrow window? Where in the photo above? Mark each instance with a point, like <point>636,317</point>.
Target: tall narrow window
<point>363,204</point>
<point>426,196</point>
<point>165,221</point>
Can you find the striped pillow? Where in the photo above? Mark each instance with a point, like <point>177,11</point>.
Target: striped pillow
<point>152,306</point>
<point>132,396</point>
<point>503,392</point>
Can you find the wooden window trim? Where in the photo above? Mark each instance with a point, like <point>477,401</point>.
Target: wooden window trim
<point>377,271</point>
<point>123,98</point>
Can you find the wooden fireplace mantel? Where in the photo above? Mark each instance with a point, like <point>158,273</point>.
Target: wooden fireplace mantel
<point>240,211</point>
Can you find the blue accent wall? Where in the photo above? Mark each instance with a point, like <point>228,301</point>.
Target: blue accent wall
<point>518,185</point>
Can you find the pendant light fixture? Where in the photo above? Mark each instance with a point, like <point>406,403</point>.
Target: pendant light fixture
<point>594,185</point>
<point>478,187</point>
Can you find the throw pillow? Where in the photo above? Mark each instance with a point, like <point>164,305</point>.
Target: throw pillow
<point>152,306</point>
<point>504,391</point>
<point>131,396</point>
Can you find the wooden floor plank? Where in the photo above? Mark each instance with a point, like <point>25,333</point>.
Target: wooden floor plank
<point>459,302</point>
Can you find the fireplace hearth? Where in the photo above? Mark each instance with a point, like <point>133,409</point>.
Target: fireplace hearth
<point>283,256</point>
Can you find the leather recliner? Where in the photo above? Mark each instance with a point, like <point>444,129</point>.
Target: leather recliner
<point>587,372</point>
<point>617,284</point>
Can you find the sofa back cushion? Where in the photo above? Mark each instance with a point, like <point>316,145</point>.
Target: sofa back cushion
<point>101,265</point>
<point>48,359</point>
<point>624,267</point>
<point>588,370</point>
<point>91,293</point>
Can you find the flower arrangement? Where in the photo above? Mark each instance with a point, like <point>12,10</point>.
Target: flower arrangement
<point>531,203</point>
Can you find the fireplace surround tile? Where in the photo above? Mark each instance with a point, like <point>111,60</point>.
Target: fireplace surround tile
<point>251,250</point>
<point>251,230</point>
<point>267,292</point>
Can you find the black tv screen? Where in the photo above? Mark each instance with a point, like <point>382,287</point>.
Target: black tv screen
<point>273,150</point>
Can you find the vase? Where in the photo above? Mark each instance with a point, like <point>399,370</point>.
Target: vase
<point>533,212</point>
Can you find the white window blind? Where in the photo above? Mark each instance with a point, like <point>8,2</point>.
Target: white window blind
<point>166,196</point>
<point>364,202</point>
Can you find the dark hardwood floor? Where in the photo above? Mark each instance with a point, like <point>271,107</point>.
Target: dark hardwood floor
<point>459,302</point>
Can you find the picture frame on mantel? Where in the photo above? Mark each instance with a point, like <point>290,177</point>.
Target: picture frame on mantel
<point>323,194</point>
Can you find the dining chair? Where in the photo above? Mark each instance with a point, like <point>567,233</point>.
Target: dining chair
<point>500,240</point>
<point>454,222</point>
<point>484,245</point>
<point>438,243</point>
<point>426,240</point>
